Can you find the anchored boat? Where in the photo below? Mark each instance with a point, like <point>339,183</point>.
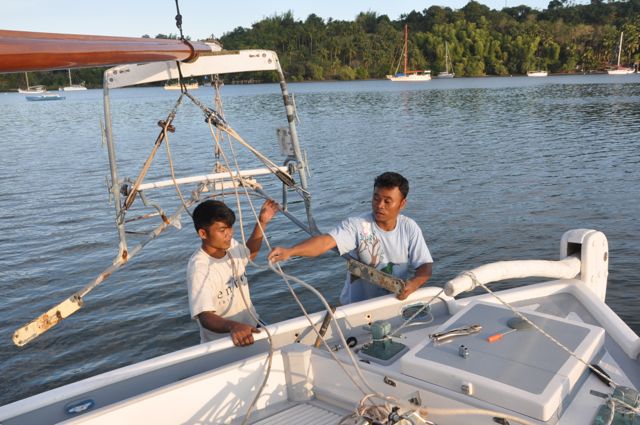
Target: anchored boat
<point>548,352</point>
<point>408,75</point>
<point>71,86</point>
<point>44,97</point>
<point>177,86</point>
<point>620,70</point>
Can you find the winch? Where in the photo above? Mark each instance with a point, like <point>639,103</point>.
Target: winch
<point>382,349</point>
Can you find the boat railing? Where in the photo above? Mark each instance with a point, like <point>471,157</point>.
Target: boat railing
<point>583,253</point>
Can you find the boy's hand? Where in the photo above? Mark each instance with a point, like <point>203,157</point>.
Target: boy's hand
<point>242,334</point>
<point>268,210</point>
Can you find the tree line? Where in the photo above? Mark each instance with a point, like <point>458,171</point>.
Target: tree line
<point>563,38</point>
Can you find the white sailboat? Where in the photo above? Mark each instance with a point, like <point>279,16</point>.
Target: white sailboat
<point>538,73</point>
<point>448,72</point>
<point>32,89</point>
<point>73,87</point>
<point>547,352</point>
<point>408,75</point>
<point>620,70</point>
<point>176,86</point>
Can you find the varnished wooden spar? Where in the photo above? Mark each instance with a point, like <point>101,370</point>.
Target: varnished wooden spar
<point>39,51</point>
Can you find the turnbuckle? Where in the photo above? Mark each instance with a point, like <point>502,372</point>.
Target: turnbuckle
<point>452,333</point>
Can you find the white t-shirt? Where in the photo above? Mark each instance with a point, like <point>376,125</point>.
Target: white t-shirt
<point>211,286</point>
<point>396,252</point>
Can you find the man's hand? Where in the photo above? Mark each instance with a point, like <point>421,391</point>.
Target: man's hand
<point>242,334</point>
<point>268,210</point>
<point>279,253</point>
<point>423,273</point>
<point>409,288</point>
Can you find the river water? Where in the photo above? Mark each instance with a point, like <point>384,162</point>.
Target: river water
<point>499,169</point>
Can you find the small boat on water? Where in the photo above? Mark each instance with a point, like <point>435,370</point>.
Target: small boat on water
<point>176,86</point>
<point>31,89</point>
<point>538,73</point>
<point>73,87</point>
<point>550,351</point>
<point>408,75</point>
<point>44,97</point>
<point>448,72</point>
<point>620,70</point>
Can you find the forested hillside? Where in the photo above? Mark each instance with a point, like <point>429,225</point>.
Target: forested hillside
<point>564,38</point>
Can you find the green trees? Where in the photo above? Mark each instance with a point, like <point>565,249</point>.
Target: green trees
<point>562,38</point>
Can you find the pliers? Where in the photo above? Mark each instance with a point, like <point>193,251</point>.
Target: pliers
<point>452,333</point>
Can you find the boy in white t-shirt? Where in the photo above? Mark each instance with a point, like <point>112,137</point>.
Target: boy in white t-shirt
<point>216,281</point>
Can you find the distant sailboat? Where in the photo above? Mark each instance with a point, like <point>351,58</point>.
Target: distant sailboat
<point>409,75</point>
<point>448,73</point>
<point>620,70</point>
<point>537,73</point>
<point>176,86</point>
<point>32,89</point>
<point>73,87</point>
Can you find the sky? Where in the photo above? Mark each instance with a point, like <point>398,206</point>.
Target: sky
<point>201,18</point>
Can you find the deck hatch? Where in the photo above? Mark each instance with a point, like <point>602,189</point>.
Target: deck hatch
<point>524,370</point>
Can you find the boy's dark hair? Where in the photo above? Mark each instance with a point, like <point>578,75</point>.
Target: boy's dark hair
<point>389,180</point>
<point>209,212</point>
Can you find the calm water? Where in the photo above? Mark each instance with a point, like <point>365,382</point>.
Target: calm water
<point>499,168</point>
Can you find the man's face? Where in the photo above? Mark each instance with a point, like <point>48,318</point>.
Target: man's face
<point>387,203</point>
<point>217,235</point>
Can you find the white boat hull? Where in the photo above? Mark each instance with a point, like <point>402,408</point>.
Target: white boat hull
<point>33,90</point>
<point>191,86</point>
<point>523,378</point>
<point>446,75</point>
<point>411,78</point>
<point>74,88</point>
<point>537,74</point>
<point>621,71</point>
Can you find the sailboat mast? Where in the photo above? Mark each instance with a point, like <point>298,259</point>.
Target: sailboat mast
<point>446,56</point>
<point>26,77</point>
<point>69,76</point>
<point>620,48</point>
<point>406,47</point>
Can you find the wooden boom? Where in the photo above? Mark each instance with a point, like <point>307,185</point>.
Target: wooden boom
<point>40,51</point>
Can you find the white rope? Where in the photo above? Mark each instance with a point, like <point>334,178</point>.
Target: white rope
<point>302,283</point>
<point>173,174</point>
<point>246,304</point>
<point>424,307</point>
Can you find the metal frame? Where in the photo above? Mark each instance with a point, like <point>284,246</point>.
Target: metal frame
<point>220,63</point>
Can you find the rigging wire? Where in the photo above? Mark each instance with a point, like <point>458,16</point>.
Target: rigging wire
<point>173,174</point>
<point>241,220</point>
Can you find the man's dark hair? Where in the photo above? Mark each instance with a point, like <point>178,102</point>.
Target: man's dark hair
<point>209,212</point>
<point>389,180</point>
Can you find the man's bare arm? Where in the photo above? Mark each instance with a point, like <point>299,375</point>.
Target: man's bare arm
<point>422,275</point>
<point>311,247</point>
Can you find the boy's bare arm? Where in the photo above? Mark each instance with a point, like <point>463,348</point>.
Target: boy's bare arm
<point>268,210</point>
<point>241,334</point>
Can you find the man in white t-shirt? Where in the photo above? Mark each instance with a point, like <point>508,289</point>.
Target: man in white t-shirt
<point>216,281</point>
<point>382,238</point>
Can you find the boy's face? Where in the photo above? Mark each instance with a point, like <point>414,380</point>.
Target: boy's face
<point>216,236</point>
